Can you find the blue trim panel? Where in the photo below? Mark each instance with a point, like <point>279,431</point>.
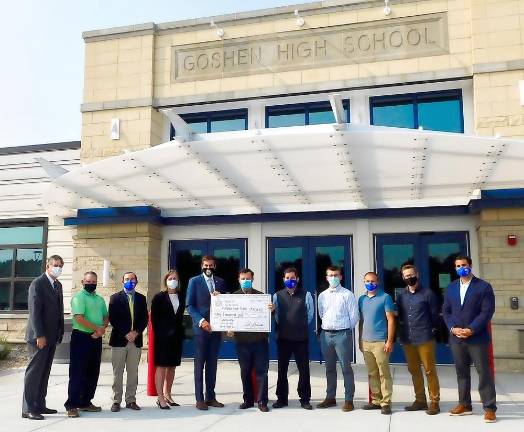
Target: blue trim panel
<point>318,215</point>
<point>115,215</point>
<point>503,193</point>
<point>119,215</point>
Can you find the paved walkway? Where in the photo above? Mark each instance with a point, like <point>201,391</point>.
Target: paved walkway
<point>510,391</point>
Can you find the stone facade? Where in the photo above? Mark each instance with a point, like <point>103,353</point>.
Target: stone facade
<point>129,75</point>
<point>502,266</point>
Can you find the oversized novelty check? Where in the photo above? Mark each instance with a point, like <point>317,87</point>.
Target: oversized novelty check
<point>240,312</point>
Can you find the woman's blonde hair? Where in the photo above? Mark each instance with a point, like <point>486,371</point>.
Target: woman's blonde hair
<point>164,279</point>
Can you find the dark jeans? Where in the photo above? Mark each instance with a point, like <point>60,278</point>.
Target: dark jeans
<point>463,355</point>
<point>207,346</point>
<point>84,369</point>
<point>254,355</point>
<point>37,377</point>
<point>300,350</point>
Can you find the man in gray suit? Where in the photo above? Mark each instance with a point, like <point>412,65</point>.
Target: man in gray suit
<point>45,329</point>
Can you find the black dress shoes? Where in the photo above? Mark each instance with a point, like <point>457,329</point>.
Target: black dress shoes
<point>279,404</point>
<point>49,411</point>
<point>306,406</point>
<point>245,405</point>
<point>33,416</point>
<point>164,407</point>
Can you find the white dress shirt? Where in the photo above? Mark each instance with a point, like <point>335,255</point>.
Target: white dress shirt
<point>174,301</point>
<point>338,309</point>
<point>463,290</point>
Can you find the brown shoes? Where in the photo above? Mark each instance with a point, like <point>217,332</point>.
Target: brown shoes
<point>91,408</point>
<point>72,413</point>
<point>348,406</point>
<point>133,406</point>
<point>417,406</point>
<point>434,408</point>
<point>214,403</point>
<point>201,405</point>
<point>490,416</point>
<point>461,410</point>
<point>115,407</point>
<point>327,403</point>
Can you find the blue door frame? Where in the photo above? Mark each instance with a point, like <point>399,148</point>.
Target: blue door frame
<point>231,255</point>
<point>431,252</point>
<point>315,256</point>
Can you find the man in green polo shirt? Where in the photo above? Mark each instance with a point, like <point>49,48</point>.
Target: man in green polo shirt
<point>90,320</point>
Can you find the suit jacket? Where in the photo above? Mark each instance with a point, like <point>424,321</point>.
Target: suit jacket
<point>120,318</point>
<point>166,323</point>
<point>198,300</point>
<point>475,313</point>
<point>46,311</point>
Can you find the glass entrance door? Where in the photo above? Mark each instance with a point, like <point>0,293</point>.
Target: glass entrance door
<point>433,254</point>
<point>186,256</point>
<point>310,256</point>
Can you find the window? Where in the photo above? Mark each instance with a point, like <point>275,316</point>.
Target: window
<point>302,114</point>
<point>21,259</point>
<point>215,121</point>
<point>437,111</point>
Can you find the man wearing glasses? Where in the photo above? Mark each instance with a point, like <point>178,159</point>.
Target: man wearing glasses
<point>469,304</point>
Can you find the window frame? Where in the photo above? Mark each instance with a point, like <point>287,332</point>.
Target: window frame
<point>298,108</point>
<point>12,279</point>
<point>415,99</point>
<point>210,116</point>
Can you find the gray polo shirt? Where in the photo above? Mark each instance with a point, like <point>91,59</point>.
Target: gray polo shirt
<point>373,312</point>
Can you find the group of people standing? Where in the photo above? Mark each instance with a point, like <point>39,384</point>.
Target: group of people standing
<point>468,307</point>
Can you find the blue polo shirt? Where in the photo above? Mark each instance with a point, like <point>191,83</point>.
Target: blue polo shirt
<point>373,312</point>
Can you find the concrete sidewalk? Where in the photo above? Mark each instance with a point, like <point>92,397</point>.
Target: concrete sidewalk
<point>510,394</point>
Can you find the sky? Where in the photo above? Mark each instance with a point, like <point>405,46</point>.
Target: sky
<point>42,56</point>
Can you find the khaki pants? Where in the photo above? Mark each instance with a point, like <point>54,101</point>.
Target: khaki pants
<point>380,381</point>
<point>128,357</point>
<point>423,354</point>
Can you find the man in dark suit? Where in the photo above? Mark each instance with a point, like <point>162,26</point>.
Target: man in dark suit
<point>206,343</point>
<point>45,328</point>
<point>128,316</point>
<point>469,304</point>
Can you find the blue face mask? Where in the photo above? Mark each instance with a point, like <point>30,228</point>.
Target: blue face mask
<point>371,286</point>
<point>246,284</point>
<point>290,283</point>
<point>464,271</point>
<point>129,285</point>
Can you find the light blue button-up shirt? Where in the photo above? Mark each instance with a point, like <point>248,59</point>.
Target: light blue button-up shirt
<point>338,309</point>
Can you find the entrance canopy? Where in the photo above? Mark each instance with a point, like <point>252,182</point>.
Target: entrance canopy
<point>294,169</point>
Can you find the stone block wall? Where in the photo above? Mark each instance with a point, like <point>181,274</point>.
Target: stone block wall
<point>502,265</point>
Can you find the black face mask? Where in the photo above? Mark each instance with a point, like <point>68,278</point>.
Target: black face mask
<point>411,281</point>
<point>208,271</point>
<point>90,288</point>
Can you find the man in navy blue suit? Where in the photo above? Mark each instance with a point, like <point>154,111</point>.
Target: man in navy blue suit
<point>206,342</point>
<point>469,304</point>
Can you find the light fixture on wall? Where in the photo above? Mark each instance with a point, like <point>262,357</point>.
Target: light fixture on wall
<point>115,129</point>
<point>220,31</point>
<point>387,9</point>
<point>521,92</point>
<point>106,273</point>
<point>299,20</point>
